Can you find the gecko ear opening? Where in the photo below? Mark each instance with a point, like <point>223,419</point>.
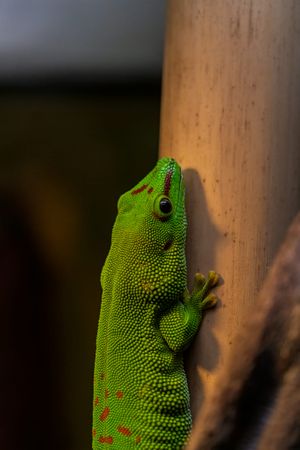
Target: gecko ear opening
<point>168,245</point>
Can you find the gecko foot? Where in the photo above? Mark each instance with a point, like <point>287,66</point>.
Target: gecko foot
<point>202,287</point>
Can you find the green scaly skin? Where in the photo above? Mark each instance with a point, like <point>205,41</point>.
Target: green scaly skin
<point>147,320</point>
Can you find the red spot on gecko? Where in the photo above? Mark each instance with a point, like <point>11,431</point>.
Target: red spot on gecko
<point>104,414</point>
<point>106,394</point>
<point>124,430</point>
<point>138,439</point>
<point>105,440</point>
<point>119,394</point>
<point>94,432</point>
<point>150,190</point>
<point>140,189</point>
<point>168,182</point>
<point>96,401</point>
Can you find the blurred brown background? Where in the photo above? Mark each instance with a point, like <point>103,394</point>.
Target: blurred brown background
<point>79,126</point>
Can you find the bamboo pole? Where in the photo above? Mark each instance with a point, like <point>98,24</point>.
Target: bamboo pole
<point>255,403</point>
<point>231,117</point>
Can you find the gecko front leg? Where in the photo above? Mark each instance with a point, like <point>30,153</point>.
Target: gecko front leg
<point>179,325</point>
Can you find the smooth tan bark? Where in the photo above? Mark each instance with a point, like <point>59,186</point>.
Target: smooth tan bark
<point>231,117</point>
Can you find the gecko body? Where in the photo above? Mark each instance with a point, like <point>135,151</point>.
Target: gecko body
<point>147,319</point>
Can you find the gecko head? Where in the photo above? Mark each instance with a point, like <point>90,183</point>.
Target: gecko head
<point>155,207</point>
<point>150,228</point>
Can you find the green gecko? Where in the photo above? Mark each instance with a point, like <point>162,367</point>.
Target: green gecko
<point>147,319</point>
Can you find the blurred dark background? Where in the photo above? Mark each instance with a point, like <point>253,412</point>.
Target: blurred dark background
<point>79,110</point>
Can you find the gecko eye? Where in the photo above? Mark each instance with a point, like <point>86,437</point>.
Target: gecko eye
<point>163,207</point>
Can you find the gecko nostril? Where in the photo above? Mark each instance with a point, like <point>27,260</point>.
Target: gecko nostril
<point>167,245</point>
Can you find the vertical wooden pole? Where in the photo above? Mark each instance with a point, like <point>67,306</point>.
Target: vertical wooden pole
<point>231,117</point>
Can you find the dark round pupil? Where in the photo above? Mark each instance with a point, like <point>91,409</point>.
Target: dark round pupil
<point>165,205</point>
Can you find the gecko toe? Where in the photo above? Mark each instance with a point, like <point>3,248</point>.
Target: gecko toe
<point>213,278</point>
